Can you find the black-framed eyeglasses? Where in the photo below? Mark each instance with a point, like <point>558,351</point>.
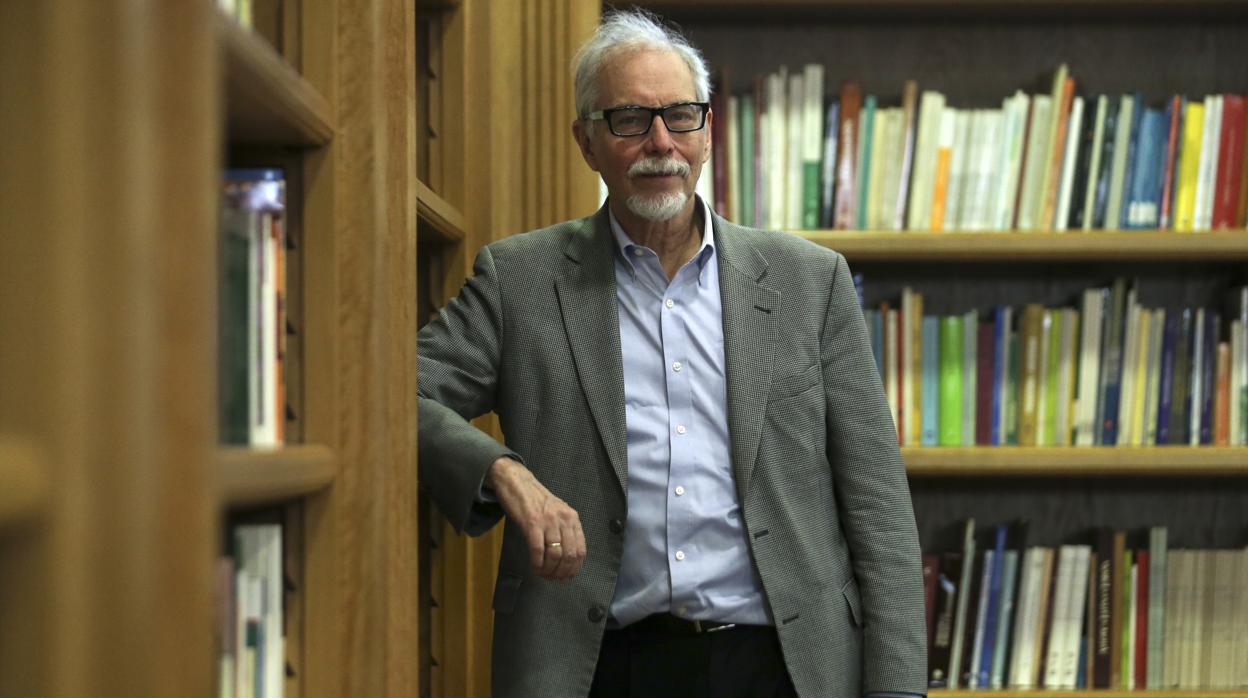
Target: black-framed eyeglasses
<point>634,120</point>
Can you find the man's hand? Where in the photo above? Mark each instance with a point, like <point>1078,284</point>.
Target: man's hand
<point>551,527</point>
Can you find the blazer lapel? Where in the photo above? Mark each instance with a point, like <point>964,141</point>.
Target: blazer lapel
<point>751,318</point>
<point>587,302</point>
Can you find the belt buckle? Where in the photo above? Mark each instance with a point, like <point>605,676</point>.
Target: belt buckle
<point>697,626</point>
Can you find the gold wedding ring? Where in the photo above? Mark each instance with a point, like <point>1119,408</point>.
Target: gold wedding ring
<point>554,545</point>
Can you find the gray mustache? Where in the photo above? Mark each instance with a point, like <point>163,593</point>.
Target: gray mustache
<point>659,167</point>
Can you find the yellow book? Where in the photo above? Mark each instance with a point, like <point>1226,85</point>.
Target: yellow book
<point>1189,166</point>
<point>1142,361</point>
<point>944,158</point>
<point>916,368</point>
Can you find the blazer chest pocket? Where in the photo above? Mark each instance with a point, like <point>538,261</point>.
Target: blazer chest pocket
<point>795,383</point>
<point>506,591</point>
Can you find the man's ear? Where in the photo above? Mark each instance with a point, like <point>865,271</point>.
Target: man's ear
<point>581,134</point>
<point>706,151</point>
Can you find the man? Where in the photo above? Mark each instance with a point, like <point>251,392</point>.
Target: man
<point>701,482</point>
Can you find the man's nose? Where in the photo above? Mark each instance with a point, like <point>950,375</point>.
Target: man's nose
<point>659,139</point>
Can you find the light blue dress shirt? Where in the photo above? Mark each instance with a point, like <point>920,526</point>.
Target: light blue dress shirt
<point>685,547</point>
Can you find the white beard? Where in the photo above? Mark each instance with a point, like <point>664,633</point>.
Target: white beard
<point>659,207</point>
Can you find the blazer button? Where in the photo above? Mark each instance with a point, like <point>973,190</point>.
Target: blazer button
<point>596,614</point>
<point>616,526</point>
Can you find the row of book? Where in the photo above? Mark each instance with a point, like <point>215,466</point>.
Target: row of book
<point>240,11</point>
<point>251,643</point>
<point>783,159</point>
<point>1110,372</point>
<point>1125,612</point>
<point>252,307</point>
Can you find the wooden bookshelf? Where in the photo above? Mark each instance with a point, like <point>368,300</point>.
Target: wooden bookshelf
<point>251,476</point>
<point>1091,461</point>
<point>830,8</point>
<point>267,101</point>
<point>1015,246</point>
<point>24,494</point>
<point>439,220</point>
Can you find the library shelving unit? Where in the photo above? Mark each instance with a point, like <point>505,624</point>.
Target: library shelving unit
<point>977,52</point>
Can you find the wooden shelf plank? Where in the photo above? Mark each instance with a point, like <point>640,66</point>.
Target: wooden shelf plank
<point>1099,246</point>
<point>1087,693</point>
<point>24,493</point>
<point>267,101</point>
<point>1178,461</point>
<point>256,475</point>
<point>436,216</point>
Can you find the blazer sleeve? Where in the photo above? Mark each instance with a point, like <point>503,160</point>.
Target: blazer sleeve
<point>458,358</point>
<point>873,499</point>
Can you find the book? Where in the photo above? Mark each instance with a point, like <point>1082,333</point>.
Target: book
<point>950,420</point>
<point>1227,181</point>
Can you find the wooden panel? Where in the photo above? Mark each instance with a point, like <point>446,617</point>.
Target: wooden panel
<point>107,366</point>
<point>253,476</point>
<point>1132,246</point>
<point>267,100</point>
<point>1098,693</point>
<point>941,8</point>
<point>1161,461</point>
<point>25,491</point>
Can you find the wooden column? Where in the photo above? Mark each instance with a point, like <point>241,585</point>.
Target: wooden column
<point>108,148</point>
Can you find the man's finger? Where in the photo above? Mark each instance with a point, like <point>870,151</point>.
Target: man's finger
<point>537,551</point>
<point>569,561</point>
<point>553,553</point>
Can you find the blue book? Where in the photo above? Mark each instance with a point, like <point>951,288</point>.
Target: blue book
<point>1144,197</point>
<point>983,679</point>
<point>1100,203</point>
<point>1111,368</point>
<point>1000,347</point>
<point>1208,374</point>
<point>930,386</point>
<point>1165,389</point>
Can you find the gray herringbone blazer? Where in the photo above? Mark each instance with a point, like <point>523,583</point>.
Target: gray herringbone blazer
<point>533,336</point>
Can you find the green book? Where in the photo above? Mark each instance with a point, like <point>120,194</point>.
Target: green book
<point>864,158</point>
<point>1053,357</point>
<point>950,421</point>
<point>745,195</point>
<point>1011,392</point>
<point>810,193</point>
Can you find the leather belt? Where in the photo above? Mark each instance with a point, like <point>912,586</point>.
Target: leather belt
<point>668,624</point>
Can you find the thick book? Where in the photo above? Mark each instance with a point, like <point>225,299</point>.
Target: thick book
<point>1103,622</point>
<point>909,127</point>
<point>950,421</point>
<point>1002,316</point>
<point>946,602</point>
<point>1127,127</point>
<point>1104,173</point>
<point>828,167</point>
<point>1090,166</point>
<point>1155,643</point>
<point>745,158</point>
<point>812,143</point>
<point>1111,361</point>
<point>1230,163</point>
<point>988,640</point>
<point>965,584</point>
<point>985,357</point>
<point>930,382</point>
<point>1180,405</point>
<point>1030,335</point>
<point>1189,166</point>
<point>846,169</point>
<point>1174,121</point>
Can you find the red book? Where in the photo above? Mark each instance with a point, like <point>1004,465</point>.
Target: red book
<point>846,171</point>
<point>1140,668</point>
<point>1230,168</point>
<point>931,565</point>
<point>1172,149</point>
<point>983,383</point>
<point>719,145</point>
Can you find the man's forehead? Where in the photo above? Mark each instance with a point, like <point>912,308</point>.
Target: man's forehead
<point>626,72</point>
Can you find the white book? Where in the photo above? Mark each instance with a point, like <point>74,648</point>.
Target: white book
<point>970,341</point>
<point>1082,560</point>
<point>1222,635</point>
<point>975,184</point>
<point>793,160</point>
<point>1024,620</point>
<point>991,181</point>
<point>1014,111</point>
<point>874,179</point>
<point>1066,187</point>
<point>964,585</point>
<point>890,167</point>
<point>957,168</point>
<point>1033,168</point>
<point>1236,436</point>
<point>931,109</point>
<point>812,135</point>
<point>1059,616</point>
<point>1241,622</point>
<point>1094,163</point>
<point>1089,366</point>
<point>1117,175</point>
<point>1207,170</point>
<point>777,148</point>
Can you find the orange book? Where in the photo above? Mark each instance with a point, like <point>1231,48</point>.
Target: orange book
<point>1057,153</point>
<point>944,159</point>
<point>1241,217</point>
<point>1222,396</point>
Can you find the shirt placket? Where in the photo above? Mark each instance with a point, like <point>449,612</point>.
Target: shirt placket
<point>682,551</point>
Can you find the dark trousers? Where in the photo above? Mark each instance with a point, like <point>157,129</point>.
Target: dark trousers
<point>740,662</point>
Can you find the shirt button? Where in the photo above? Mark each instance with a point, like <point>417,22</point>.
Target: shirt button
<point>680,491</point>
<point>669,303</point>
<point>680,554</point>
<point>680,429</point>
<point>677,366</point>
<point>637,252</point>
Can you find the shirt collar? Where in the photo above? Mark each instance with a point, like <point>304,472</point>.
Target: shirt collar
<point>627,248</point>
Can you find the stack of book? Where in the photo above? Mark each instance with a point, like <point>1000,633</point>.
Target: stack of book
<point>1124,611</point>
<point>252,652</point>
<point>1109,373</point>
<point>782,158</point>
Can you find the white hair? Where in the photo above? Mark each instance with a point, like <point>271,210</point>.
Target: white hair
<point>624,30</point>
